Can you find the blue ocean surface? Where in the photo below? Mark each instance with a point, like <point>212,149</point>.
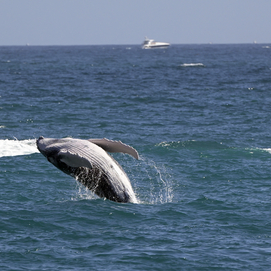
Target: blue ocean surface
<point>199,117</point>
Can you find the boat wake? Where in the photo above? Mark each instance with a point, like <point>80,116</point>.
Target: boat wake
<point>17,147</point>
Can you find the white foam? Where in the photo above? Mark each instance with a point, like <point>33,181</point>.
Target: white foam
<point>267,149</point>
<point>192,65</point>
<point>17,147</point>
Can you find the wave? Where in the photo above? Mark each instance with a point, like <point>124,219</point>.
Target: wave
<point>267,149</point>
<point>192,144</point>
<point>192,65</point>
<point>208,145</point>
<point>17,147</point>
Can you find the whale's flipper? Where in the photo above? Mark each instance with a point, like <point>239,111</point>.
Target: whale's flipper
<point>73,159</point>
<point>115,146</point>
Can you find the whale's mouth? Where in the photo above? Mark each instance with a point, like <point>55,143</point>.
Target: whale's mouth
<point>43,144</point>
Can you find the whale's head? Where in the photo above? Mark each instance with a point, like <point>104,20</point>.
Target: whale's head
<point>44,144</point>
<point>50,148</point>
<point>61,153</point>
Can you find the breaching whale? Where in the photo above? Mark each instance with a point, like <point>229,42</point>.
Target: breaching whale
<point>89,163</point>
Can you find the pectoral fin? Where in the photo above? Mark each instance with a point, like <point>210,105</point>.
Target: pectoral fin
<point>115,146</point>
<point>73,159</point>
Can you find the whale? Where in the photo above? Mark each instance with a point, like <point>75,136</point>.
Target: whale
<point>89,163</point>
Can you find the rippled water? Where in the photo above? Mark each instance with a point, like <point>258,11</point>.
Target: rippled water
<point>199,116</point>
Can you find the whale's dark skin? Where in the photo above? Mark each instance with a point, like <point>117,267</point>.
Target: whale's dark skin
<point>89,163</point>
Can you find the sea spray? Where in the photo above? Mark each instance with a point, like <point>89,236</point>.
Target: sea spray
<point>158,187</point>
<point>83,193</point>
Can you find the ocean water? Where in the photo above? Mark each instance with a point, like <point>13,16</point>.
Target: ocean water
<point>200,118</point>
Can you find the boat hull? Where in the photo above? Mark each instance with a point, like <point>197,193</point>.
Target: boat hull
<point>151,44</point>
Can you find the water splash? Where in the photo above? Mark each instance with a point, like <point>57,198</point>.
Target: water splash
<point>83,193</point>
<point>156,186</point>
<point>17,147</point>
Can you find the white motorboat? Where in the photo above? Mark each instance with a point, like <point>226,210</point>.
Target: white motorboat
<point>151,44</point>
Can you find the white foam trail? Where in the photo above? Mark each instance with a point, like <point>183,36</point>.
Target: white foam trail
<point>192,65</point>
<point>17,147</point>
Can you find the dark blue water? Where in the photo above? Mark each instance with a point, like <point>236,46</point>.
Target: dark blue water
<point>200,118</point>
